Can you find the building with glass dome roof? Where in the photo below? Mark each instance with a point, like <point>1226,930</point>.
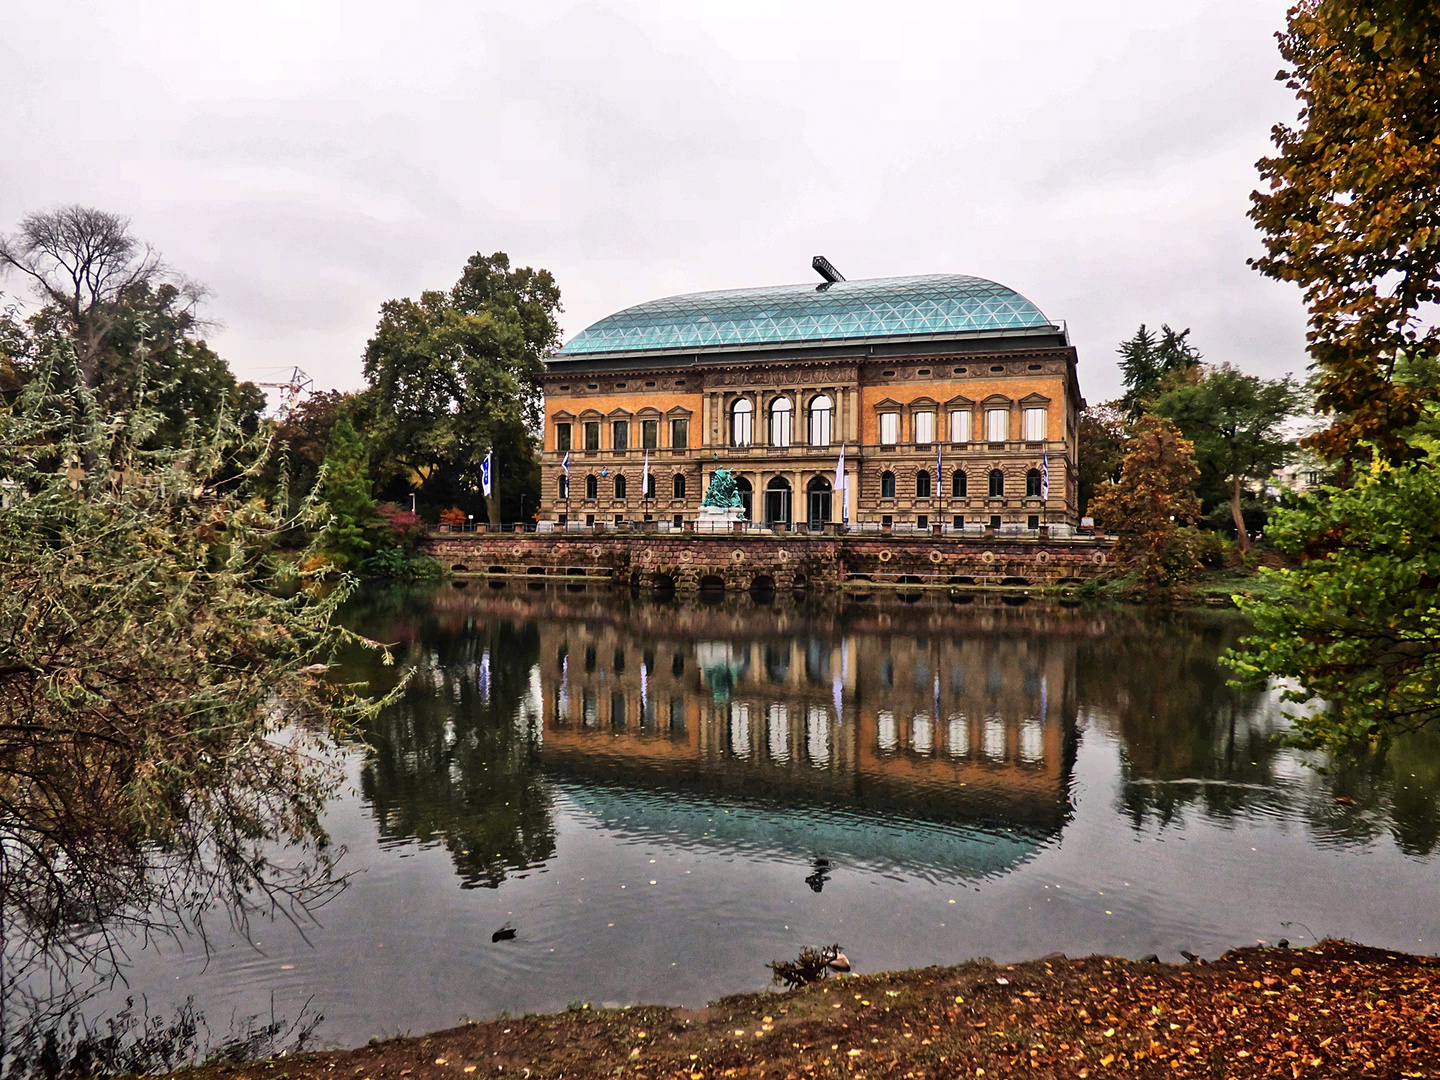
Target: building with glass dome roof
<point>953,400</point>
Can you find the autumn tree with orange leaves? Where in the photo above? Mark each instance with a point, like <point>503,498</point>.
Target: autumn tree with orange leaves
<point>1352,213</point>
<point>1152,501</point>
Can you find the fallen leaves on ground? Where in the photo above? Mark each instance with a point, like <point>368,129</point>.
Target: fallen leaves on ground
<point>1335,1010</point>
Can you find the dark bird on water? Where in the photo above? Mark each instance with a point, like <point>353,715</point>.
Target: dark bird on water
<point>1191,956</point>
<point>505,933</point>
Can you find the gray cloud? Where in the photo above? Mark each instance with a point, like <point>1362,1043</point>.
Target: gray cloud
<point>310,161</point>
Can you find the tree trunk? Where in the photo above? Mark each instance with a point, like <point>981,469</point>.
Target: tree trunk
<point>1241,536</point>
<point>492,506</point>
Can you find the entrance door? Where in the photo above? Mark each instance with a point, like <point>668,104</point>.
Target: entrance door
<point>819,499</point>
<point>777,502</point>
<point>747,497</point>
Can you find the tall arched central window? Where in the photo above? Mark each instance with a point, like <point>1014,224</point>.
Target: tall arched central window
<point>997,484</point>
<point>620,486</point>
<point>780,422</point>
<point>922,484</point>
<point>958,485</point>
<point>592,486</point>
<point>887,485</point>
<point>820,410</point>
<point>742,423</point>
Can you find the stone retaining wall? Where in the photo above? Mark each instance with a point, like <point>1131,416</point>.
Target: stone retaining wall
<point>692,562</point>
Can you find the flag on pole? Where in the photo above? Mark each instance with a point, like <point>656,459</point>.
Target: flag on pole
<point>840,486</point>
<point>939,467</point>
<point>1045,476</point>
<point>485,472</point>
<point>645,478</point>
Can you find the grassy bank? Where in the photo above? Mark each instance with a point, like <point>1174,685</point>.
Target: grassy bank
<point>1335,1010</point>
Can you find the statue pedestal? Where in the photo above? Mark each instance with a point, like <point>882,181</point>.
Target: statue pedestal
<point>719,518</point>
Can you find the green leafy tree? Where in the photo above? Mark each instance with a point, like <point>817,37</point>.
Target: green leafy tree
<point>1153,499</point>
<point>347,490</point>
<point>1350,213</point>
<point>131,323</point>
<point>155,644</point>
<point>1102,448</point>
<point>1147,362</point>
<point>1357,622</point>
<point>455,373</point>
<point>301,439</point>
<point>1236,423</point>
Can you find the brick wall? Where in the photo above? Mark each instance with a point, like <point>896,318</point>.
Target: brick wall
<point>738,561</point>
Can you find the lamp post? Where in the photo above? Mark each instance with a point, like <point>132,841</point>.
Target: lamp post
<point>471,519</point>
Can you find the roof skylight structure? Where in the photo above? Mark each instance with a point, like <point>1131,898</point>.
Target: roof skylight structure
<point>905,307</point>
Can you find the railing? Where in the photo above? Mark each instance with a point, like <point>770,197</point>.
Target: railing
<point>899,530</point>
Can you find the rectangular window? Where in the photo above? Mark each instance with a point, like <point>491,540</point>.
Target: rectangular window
<point>997,425</point>
<point>562,437</point>
<point>649,434</point>
<point>679,434</point>
<point>924,427</point>
<point>922,521</point>
<point>960,426</point>
<point>620,435</point>
<point>889,428</point>
<point>959,522</point>
<point>592,436</point>
<point>1034,425</point>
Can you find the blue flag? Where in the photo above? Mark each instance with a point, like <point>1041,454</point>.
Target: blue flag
<point>485,473</point>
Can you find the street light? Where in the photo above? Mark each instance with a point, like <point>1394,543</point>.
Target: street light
<point>471,519</point>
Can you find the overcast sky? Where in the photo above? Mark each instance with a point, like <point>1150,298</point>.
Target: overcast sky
<point>307,161</point>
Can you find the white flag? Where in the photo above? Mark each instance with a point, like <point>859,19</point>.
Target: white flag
<point>840,486</point>
<point>1045,476</point>
<point>645,478</point>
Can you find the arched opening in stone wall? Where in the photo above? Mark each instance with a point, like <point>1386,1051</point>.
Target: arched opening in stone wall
<point>818,502</point>
<point>777,501</point>
<point>747,497</point>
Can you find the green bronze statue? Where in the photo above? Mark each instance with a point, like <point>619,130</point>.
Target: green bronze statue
<point>723,491</point>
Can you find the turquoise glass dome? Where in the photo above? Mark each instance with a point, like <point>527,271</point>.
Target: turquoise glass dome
<point>903,307</point>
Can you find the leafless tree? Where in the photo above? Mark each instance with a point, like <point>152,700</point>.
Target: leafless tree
<point>81,261</point>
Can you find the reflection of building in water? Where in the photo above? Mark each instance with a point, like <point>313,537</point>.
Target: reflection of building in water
<point>972,726</point>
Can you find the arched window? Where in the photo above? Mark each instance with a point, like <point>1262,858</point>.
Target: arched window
<point>747,497</point>
<point>742,423</point>
<point>780,422</point>
<point>777,501</point>
<point>1032,484</point>
<point>620,486</point>
<point>959,485</point>
<point>997,484</point>
<point>564,490</point>
<point>650,486</point>
<point>679,486</point>
<point>922,484</point>
<point>887,485</point>
<point>820,410</point>
<point>592,486</point>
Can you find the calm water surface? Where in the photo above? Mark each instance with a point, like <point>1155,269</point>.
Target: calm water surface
<point>662,797</point>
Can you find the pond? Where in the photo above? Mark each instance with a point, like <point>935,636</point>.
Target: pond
<point>661,797</point>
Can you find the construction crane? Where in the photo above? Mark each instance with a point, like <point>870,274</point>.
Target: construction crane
<point>298,383</point>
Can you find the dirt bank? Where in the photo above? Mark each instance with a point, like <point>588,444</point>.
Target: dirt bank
<point>1334,1010</point>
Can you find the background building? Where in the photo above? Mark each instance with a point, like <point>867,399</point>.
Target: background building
<point>954,400</point>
